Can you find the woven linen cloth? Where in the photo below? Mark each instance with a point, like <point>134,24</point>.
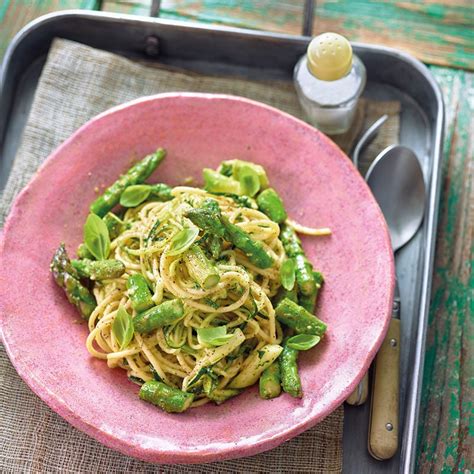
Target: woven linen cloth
<point>77,83</point>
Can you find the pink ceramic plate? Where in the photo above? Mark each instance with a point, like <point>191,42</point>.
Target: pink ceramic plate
<point>320,187</point>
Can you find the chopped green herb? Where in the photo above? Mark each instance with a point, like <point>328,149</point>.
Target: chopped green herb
<point>211,303</point>
<point>153,230</point>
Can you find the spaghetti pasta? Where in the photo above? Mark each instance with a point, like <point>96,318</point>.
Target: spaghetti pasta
<point>241,286</point>
<point>186,292</point>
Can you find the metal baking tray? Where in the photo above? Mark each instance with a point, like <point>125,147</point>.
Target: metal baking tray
<point>392,75</point>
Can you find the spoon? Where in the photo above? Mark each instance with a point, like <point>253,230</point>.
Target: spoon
<point>396,180</point>
<point>366,138</point>
<point>360,394</point>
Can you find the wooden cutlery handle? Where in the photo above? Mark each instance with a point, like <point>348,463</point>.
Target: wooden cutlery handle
<point>383,425</point>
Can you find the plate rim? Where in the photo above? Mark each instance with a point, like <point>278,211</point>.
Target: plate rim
<point>186,456</point>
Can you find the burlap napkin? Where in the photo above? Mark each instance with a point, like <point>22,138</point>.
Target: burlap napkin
<point>77,83</point>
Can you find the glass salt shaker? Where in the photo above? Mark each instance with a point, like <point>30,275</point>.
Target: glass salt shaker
<point>329,80</point>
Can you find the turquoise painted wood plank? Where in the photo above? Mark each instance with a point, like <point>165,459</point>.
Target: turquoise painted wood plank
<point>446,436</point>
<point>130,7</point>
<point>14,14</point>
<point>434,31</point>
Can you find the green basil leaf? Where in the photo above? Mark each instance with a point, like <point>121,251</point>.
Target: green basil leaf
<point>182,240</point>
<point>213,336</point>
<point>96,237</point>
<point>302,342</point>
<point>287,274</point>
<point>249,180</point>
<point>132,196</point>
<point>122,327</point>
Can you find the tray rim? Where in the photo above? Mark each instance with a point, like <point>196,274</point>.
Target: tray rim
<point>229,30</point>
<point>408,454</point>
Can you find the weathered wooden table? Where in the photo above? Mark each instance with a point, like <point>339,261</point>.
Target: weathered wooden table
<point>442,35</point>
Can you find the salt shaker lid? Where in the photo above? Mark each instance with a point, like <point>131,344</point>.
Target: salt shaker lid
<point>329,56</point>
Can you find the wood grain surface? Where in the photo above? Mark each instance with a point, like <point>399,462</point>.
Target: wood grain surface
<point>14,14</point>
<point>446,436</point>
<point>436,32</point>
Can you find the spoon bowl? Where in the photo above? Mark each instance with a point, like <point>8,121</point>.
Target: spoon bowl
<point>396,180</point>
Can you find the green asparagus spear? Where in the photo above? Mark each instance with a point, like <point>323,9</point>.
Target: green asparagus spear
<point>200,268</point>
<point>304,269</point>
<point>309,301</point>
<point>233,168</point>
<point>221,395</point>
<point>114,225</point>
<point>270,203</point>
<point>206,220</point>
<point>162,315</point>
<point>169,399</point>
<point>290,241</point>
<point>137,174</point>
<point>282,294</point>
<point>297,318</point>
<point>207,217</point>
<point>84,252</point>
<point>269,384</point>
<point>290,379</point>
<point>215,182</point>
<point>255,365</point>
<point>318,280</point>
<point>211,205</point>
<point>98,269</point>
<point>226,168</point>
<point>210,219</point>
<point>249,181</point>
<point>139,293</point>
<point>211,244</point>
<point>66,277</point>
<point>161,192</point>
<point>304,275</point>
<point>252,248</point>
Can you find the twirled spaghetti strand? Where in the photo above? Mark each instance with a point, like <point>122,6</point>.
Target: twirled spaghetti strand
<point>242,285</point>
